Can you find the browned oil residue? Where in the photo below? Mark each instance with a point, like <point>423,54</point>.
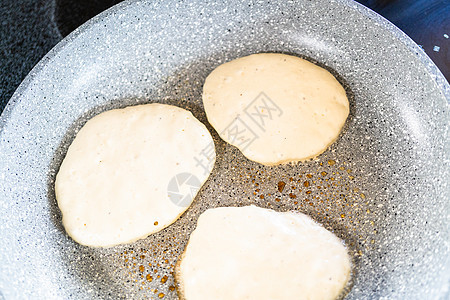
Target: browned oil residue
<point>306,184</point>
<point>281,185</point>
<point>292,196</point>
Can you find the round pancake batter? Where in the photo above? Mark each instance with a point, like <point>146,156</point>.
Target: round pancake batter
<point>256,253</point>
<point>132,172</point>
<point>275,108</point>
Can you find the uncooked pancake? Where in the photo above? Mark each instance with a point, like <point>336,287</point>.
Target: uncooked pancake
<point>132,172</point>
<point>275,108</point>
<point>256,253</point>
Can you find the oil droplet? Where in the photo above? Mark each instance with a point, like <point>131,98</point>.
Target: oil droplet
<point>331,162</point>
<point>309,175</point>
<point>277,199</point>
<point>149,278</point>
<point>164,279</point>
<point>261,196</point>
<point>156,223</point>
<point>306,184</point>
<point>160,295</point>
<point>171,288</point>
<point>324,173</point>
<point>141,268</point>
<point>292,196</point>
<point>281,186</point>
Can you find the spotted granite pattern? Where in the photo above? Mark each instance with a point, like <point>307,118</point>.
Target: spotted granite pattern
<point>382,187</point>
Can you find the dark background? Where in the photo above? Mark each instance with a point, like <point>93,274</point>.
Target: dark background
<point>30,28</point>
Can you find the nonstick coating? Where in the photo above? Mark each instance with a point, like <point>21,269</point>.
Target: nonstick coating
<point>382,187</point>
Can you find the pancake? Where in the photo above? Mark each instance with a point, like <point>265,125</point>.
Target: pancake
<point>132,172</point>
<point>256,253</point>
<point>275,108</point>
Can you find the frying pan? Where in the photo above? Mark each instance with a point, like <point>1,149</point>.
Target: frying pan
<point>382,186</point>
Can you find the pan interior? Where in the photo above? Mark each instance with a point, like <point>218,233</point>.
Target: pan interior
<point>381,187</point>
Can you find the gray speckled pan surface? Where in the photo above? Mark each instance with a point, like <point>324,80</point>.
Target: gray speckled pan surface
<point>382,187</point>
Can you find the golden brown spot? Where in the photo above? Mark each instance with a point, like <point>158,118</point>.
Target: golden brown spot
<point>149,278</point>
<point>164,279</point>
<point>281,185</point>
<point>309,175</point>
<point>308,192</point>
<point>156,223</point>
<point>171,288</point>
<point>141,268</point>
<point>324,173</point>
<point>331,162</point>
<point>277,199</point>
<point>160,295</point>
<point>261,196</point>
<point>306,184</point>
<point>292,196</point>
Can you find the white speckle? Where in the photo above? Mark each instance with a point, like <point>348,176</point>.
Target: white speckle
<point>436,48</point>
<point>446,35</point>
